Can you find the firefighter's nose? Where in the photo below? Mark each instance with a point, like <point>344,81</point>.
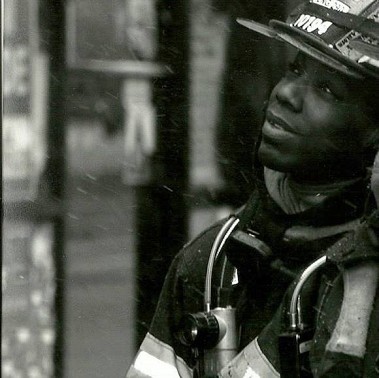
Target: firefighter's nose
<point>290,92</point>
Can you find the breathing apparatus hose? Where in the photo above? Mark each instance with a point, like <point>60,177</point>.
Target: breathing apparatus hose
<point>212,334</point>
<point>219,242</point>
<point>294,312</point>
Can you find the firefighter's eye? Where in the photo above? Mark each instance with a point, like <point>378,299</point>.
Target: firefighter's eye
<point>328,90</point>
<point>295,68</point>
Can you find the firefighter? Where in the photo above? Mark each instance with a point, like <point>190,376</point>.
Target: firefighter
<point>312,201</point>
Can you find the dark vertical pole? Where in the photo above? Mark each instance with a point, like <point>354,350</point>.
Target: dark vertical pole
<point>52,16</point>
<point>162,214</point>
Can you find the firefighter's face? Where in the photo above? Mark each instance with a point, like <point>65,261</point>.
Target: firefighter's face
<point>316,123</point>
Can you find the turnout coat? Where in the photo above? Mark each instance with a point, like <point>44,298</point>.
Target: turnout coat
<point>340,301</point>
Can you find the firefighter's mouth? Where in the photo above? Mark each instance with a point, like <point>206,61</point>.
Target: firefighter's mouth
<point>278,123</point>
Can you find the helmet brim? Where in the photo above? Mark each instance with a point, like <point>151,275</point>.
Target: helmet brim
<point>310,45</point>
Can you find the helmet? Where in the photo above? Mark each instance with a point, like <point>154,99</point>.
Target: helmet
<point>341,34</point>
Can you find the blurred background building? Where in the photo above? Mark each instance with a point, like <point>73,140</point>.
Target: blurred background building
<point>128,127</point>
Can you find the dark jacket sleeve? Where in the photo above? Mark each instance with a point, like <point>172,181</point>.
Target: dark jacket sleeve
<point>182,292</point>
